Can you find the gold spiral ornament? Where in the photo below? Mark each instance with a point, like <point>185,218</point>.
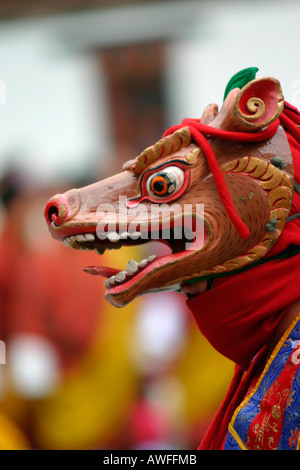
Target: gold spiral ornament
<point>256,106</point>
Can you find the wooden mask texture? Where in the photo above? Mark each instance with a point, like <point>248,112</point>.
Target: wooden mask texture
<point>258,176</point>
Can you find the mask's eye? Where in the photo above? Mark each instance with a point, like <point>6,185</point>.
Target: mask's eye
<point>166,182</point>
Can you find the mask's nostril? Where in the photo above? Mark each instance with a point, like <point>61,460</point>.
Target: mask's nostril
<point>52,214</point>
<point>57,210</point>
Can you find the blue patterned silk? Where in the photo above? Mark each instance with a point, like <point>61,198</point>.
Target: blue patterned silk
<point>283,415</point>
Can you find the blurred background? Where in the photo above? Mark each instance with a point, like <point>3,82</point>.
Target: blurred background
<point>84,86</point>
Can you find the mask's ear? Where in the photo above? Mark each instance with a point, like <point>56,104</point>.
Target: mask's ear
<point>251,108</point>
<point>209,114</point>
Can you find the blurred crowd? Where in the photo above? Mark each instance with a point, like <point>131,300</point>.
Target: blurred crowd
<point>79,373</point>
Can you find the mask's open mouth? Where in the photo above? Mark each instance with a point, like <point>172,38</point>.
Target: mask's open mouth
<point>182,241</point>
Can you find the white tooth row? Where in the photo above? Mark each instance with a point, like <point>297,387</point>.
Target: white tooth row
<point>113,237</point>
<point>132,268</point>
<point>87,237</point>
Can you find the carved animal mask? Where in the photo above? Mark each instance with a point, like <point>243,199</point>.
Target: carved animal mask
<point>217,190</point>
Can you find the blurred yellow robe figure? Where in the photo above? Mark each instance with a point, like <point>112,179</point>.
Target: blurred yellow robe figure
<point>11,436</point>
<point>99,382</point>
<point>93,404</point>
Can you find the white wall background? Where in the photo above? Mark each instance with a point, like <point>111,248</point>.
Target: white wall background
<point>51,123</point>
<point>229,36</point>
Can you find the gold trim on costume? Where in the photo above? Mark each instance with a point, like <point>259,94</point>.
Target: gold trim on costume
<point>237,438</point>
<point>267,366</point>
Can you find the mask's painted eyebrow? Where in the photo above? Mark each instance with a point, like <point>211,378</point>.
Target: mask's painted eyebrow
<point>168,163</point>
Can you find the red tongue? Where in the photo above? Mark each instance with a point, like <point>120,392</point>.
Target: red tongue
<point>101,271</point>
